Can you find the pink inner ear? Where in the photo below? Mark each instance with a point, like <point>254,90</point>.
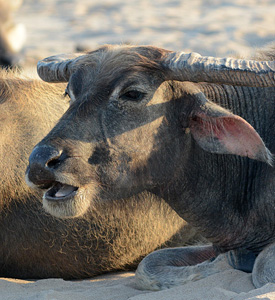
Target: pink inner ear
<point>228,134</point>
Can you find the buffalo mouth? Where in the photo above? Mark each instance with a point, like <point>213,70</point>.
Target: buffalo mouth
<point>60,192</point>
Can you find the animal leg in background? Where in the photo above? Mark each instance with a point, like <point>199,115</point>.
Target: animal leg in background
<point>241,259</point>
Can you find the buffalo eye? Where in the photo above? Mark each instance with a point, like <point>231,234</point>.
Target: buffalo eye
<point>132,95</point>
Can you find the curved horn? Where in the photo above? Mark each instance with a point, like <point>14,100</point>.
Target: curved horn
<point>57,68</point>
<point>196,68</point>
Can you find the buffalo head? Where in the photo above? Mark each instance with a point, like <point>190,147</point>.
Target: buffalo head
<point>134,120</point>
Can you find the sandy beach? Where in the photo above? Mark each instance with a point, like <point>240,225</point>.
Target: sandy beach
<point>210,27</point>
<point>228,285</point>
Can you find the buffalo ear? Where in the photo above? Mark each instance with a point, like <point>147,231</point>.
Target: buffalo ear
<point>217,130</point>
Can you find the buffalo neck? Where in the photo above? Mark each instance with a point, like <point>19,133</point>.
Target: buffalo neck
<point>228,198</point>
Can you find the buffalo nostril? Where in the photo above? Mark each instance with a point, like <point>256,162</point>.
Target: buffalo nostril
<point>53,162</point>
<point>56,159</point>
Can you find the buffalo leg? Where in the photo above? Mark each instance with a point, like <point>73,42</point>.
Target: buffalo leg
<point>166,268</point>
<point>264,267</point>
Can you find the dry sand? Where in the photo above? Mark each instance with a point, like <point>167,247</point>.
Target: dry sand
<point>210,27</point>
<point>228,285</point>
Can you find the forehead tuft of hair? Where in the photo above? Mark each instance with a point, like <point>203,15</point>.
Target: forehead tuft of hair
<point>123,57</point>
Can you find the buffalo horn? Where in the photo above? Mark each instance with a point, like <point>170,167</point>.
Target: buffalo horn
<point>57,68</point>
<point>196,68</point>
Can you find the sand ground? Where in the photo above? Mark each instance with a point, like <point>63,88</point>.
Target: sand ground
<point>209,27</point>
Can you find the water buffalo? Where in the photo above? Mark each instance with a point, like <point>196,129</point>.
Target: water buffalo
<point>195,131</point>
<point>33,244</point>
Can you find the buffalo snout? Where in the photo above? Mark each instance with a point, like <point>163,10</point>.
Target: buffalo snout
<point>42,163</point>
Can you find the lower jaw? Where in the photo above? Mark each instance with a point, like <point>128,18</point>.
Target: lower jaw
<point>71,206</point>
